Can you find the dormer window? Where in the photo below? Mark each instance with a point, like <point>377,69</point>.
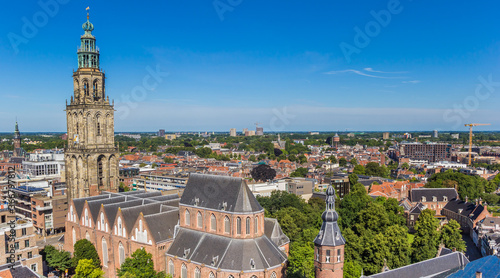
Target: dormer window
<point>196,201</point>
<point>424,199</point>
<point>252,264</point>
<point>214,260</point>
<point>445,198</point>
<point>186,252</point>
<point>460,210</point>
<point>434,199</point>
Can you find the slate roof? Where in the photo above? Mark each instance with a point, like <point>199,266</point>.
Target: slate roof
<point>489,267</point>
<point>417,194</point>
<point>80,202</point>
<point>435,267</point>
<point>212,192</point>
<point>112,209</point>
<point>130,214</point>
<point>467,209</point>
<point>273,231</point>
<point>230,255</point>
<point>418,208</point>
<point>162,225</point>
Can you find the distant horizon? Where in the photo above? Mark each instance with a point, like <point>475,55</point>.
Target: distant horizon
<point>269,132</point>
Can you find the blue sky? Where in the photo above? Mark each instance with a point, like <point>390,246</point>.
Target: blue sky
<point>232,63</point>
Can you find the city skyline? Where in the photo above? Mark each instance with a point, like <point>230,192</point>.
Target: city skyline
<point>214,67</point>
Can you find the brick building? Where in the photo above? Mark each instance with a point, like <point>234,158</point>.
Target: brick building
<point>432,152</point>
<point>223,233</point>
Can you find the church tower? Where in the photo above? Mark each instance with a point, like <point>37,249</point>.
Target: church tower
<point>91,156</point>
<point>329,244</point>
<point>17,138</point>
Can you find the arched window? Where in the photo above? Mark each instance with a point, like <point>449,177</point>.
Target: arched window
<point>102,221</point>
<point>256,225</point>
<point>213,223</point>
<point>227,225</point>
<point>98,128</point>
<point>120,229</point>
<point>87,236</point>
<point>184,271</point>
<point>171,268</point>
<point>74,236</point>
<point>200,220</point>
<point>273,275</point>
<point>94,89</point>
<point>247,224</point>
<point>71,213</point>
<point>187,216</point>
<point>86,87</point>
<point>121,253</point>
<point>211,275</point>
<point>104,252</point>
<point>86,217</point>
<point>197,273</point>
<point>238,226</point>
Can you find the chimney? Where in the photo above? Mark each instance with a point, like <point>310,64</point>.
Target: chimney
<point>454,249</point>
<point>479,274</point>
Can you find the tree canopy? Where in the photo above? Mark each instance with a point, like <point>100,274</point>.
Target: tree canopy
<point>84,249</point>
<point>140,265</point>
<point>263,172</point>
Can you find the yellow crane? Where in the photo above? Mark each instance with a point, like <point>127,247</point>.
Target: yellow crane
<point>470,139</point>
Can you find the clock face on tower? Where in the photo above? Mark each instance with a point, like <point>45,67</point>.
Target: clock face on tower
<point>91,156</point>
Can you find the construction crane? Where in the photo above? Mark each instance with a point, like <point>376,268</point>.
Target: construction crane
<point>257,124</point>
<point>470,139</point>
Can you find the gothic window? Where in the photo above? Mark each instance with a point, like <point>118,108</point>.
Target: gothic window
<point>200,220</point>
<point>86,88</point>
<point>213,223</point>
<point>338,255</point>
<point>327,258</point>
<point>227,225</point>
<point>100,173</point>
<point>238,226</point>
<point>98,128</point>
<point>273,275</point>
<point>171,268</point>
<point>197,273</point>
<point>86,217</point>
<point>104,252</point>
<point>87,236</point>
<point>211,275</point>
<point>74,236</point>
<point>183,271</point>
<point>102,221</point>
<point>94,90</point>
<point>256,225</point>
<point>187,218</point>
<point>247,226</point>
<point>120,229</point>
<point>121,253</point>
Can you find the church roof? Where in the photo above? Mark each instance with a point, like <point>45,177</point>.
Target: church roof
<point>273,231</point>
<point>436,267</point>
<point>231,254</point>
<point>219,193</point>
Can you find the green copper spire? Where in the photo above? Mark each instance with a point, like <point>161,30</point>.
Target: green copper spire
<point>88,52</point>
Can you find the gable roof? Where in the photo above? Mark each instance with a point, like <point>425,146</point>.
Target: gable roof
<point>465,208</point>
<point>273,231</point>
<point>212,192</point>
<point>417,194</point>
<point>436,267</point>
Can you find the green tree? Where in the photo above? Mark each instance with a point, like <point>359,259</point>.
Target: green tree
<point>353,179</point>
<point>405,166</point>
<point>342,162</point>
<point>352,269</point>
<point>262,156</point>
<point>203,152</point>
<point>333,159</point>
<point>425,244</point>
<point>354,161</point>
<point>140,265</point>
<point>358,170</point>
<point>84,249</point>
<point>301,260</point>
<point>86,268</point>
<point>451,236</point>
<point>302,159</point>
<point>263,172</point>
<point>142,165</point>
<point>168,160</point>
<point>59,260</point>
<point>299,172</point>
<point>252,158</point>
